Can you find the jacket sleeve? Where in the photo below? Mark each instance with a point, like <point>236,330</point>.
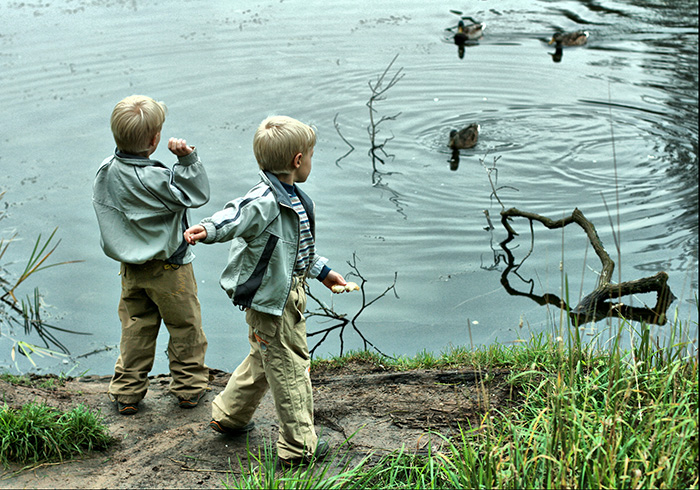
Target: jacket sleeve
<point>246,217</point>
<point>185,186</point>
<point>317,266</point>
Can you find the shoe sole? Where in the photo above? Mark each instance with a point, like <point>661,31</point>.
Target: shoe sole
<point>128,409</point>
<point>217,427</point>
<point>192,402</point>
<point>188,403</point>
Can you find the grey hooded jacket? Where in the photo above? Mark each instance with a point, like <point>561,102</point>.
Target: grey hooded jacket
<point>141,206</point>
<point>265,231</point>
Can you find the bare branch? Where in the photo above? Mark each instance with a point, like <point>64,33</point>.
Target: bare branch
<point>341,321</point>
<point>337,128</point>
<point>379,89</point>
<point>602,302</point>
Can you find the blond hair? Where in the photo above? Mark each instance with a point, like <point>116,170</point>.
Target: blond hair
<point>135,121</point>
<point>277,141</point>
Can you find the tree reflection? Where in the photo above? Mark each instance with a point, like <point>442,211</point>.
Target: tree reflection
<point>341,321</point>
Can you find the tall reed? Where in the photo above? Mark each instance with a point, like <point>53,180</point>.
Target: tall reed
<point>587,417</point>
<point>611,419</point>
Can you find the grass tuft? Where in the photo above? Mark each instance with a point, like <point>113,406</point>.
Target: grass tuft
<point>37,432</point>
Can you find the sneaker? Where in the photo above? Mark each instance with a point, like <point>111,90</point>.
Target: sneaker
<point>321,451</point>
<point>127,408</point>
<point>222,429</point>
<point>191,402</point>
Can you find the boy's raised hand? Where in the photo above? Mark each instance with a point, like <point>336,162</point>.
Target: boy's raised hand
<point>195,233</point>
<point>179,147</point>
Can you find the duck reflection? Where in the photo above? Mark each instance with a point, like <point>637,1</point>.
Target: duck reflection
<point>454,160</point>
<point>558,53</point>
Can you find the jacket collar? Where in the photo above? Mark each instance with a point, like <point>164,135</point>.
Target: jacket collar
<point>132,159</point>
<point>128,156</point>
<point>277,187</point>
<point>282,196</point>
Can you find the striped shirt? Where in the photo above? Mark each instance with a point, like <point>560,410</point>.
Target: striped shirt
<point>306,240</point>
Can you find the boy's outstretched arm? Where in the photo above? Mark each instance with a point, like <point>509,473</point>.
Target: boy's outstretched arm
<point>195,233</point>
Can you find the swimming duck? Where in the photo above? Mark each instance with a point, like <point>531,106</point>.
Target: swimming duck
<point>576,38</point>
<point>468,32</point>
<point>464,138</point>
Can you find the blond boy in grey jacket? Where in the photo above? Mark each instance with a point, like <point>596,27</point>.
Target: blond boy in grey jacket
<point>141,208</point>
<point>272,254</point>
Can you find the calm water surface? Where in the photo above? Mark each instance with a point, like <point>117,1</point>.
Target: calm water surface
<point>610,129</point>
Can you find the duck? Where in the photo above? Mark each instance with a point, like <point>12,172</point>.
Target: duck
<point>469,32</point>
<point>464,138</point>
<point>576,38</point>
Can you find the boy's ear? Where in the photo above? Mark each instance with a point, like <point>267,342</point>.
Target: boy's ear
<point>296,162</point>
<point>155,138</point>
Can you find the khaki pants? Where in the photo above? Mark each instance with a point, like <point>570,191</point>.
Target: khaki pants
<point>279,361</point>
<point>152,292</point>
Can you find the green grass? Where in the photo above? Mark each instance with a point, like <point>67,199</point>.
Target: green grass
<point>36,433</point>
<point>21,380</point>
<point>46,383</point>
<point>587,417</point>
<point>539,352</point>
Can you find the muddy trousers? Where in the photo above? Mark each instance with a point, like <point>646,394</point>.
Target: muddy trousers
<point>152,292</point>
<point>278,361</point>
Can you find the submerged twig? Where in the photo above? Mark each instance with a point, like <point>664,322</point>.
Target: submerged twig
<point>377,150</point>
<point>337,129</point>
<point>494,181</point>
<point>492,175</point>
<point>341,321</point>
<point>598,304</point>
<point>379,90</point>
<point>602,302</point>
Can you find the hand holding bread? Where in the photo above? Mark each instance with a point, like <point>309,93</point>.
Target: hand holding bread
<point>351,286</point>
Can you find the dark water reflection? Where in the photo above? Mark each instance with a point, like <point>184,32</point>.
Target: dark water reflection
<point>609,127</point>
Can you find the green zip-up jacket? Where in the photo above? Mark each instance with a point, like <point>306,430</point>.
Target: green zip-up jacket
<point>264,228</point>
<point>141,206</point>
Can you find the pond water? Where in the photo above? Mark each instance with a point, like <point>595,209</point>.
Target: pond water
<point>610,128</point>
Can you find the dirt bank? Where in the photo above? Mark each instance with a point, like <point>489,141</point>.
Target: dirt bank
<point>164,446</point>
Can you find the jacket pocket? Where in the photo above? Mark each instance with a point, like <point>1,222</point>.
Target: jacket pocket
<point>245,292</point>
